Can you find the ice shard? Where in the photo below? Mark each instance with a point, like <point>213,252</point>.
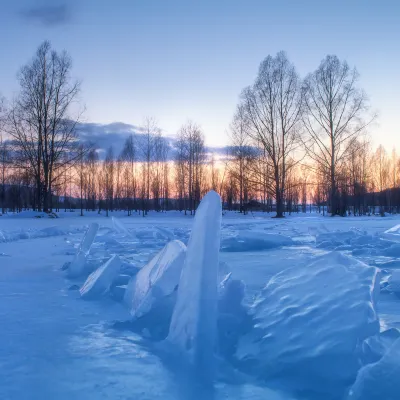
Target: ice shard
<point>119,227</point>
<point>77,266</point>
<point>193,329</point>
<point>156,280</point>
<point>99,282</point>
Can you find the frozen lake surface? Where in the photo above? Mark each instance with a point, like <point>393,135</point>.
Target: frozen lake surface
<point>54,345</point>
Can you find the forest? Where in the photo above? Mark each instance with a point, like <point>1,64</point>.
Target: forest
<point>296,144</point>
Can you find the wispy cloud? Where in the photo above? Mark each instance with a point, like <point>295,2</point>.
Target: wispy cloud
<point>49,14</point>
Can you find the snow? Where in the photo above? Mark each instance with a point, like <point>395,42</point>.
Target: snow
<point>310,322</point>
<point>54,345</point>
<point>99,282</point>
<point>193,330</point>
<point>156,280</point>
<point>254,241</point>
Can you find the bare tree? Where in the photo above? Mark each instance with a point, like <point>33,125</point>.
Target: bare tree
<point>273,108</point>
<point>108,179</point>
<point>92,159</point>
<point>5,161</point>
<point>334,119</point>
<point>191,161</point>
<point>4,156</point>
<point>150,131</point>
<point>243,156</point>
<point>40,122</point>
<point>129,157</point>
<point>180,176</point>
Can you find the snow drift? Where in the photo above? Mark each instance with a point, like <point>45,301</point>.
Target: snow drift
<point>310,323</point>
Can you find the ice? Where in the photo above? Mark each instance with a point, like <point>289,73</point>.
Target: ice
<point>77,266</point>
<point>395,230</point>
<point>376,346</point>
<point>99,282</point>
<point>392,251</point>
<point>165,233</point>
<point>392,233</point>
<point>394,282</point>
<point>156,280</point>
<point>193,330</point>
<point>254,241</point>
<point>88,239</point>
<point>381,380</point>
<point>121,228</point>
<point>122,279</point>
<point>118,292</point>
<point>390,264</point>
<point>331,240</point>
<point>311,322</point>
<point>50,231</point>
<point>233,319</point>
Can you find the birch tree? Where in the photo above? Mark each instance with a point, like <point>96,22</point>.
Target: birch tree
<point>334,118</point>
<point>273,110</point>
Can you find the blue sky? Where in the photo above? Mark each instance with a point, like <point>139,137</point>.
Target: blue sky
<point>178,60</point>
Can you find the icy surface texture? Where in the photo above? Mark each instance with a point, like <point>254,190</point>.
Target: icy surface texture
<point>88,239</point>
<point>156,280</point>
<point>376,346</point>
<point>394,282</point>
<point>233,318</point>
<point>392,233</point>
<point>165,233</point>
<point>193,330</point>
<point>310,323</point>
<point>121,228</point>
<point>254,241</point>
<point>381,380</point>
<point>77,266</point>
<point>99,282</point>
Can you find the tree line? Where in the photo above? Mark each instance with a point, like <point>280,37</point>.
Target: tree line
<point>296,144</point>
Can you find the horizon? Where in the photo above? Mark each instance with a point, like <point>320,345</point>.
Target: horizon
<point>181,62</point>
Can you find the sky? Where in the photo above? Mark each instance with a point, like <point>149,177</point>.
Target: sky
<point>181,60</point>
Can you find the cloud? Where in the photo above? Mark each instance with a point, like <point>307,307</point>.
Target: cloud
<point>102,136</point>
<point>48,15</point>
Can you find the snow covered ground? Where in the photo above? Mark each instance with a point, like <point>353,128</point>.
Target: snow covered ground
<point>56,345</point>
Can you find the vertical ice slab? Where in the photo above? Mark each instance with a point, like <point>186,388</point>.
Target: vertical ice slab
<point>77,265</point>
<point>99,281</point>
<point>156,280</point>
<point>119,227</point>
<point>193,329</point>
